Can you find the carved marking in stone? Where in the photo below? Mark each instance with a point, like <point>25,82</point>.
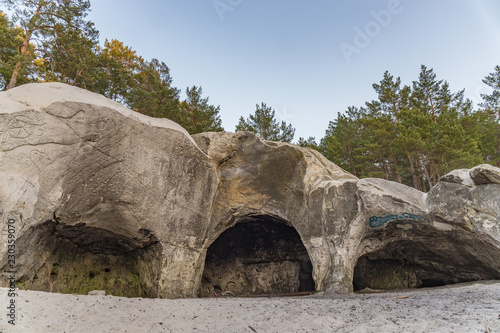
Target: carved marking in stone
<point>5,139</point>
<point>40,158</point>
<point>6,145</point>
<point>101,124</point>
<point>24,160</point>
<point>145,179</point>
<point>20,127</point>
<point>380,221</point>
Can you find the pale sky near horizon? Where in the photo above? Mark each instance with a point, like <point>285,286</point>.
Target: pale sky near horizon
<point>308,60</point>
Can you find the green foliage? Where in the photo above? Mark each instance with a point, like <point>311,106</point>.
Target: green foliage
<point>71,58</point>
<point>492,101</point>
<point>412,135</point>
<point>56,38</point>
<point>147,88</point>
<point>151,92</point>
<point>487,127</point>
<point>310,143</point>
<point>54,42</point>
<point>10,38</point>
<point>264,124</point>
<point>197,115</point>
<point>118,64</point>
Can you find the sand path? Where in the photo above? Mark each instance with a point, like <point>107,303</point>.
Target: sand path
<point>461,308</point>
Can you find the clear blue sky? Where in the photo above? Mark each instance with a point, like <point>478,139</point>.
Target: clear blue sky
<point>289,53</point>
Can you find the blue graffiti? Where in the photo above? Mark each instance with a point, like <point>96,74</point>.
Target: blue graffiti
<point>379,221</point>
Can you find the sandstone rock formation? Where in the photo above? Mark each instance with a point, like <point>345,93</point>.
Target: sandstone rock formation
<point>99,197</point>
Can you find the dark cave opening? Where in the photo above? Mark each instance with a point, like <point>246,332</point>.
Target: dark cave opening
<point>420,264</point>
<point>61,258</point>
<point>261,255</point>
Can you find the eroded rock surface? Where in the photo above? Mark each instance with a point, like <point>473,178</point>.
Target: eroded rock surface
<point>99,197</point>
<point>102,197</point>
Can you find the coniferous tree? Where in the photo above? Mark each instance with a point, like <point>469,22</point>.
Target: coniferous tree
<point>444,143</point>
<point>264,124</point>
<point>151,92</point>
<point>197,115</point>
<point>412,135</point>
<point>491,102</point>
<point>393,99</point>
<point>70,57</point>
<point>10,38</point>
<point>489,119</point>
<point>309,143</point>
<point>429,95</point>
<point>118,64</point>
<point>487,129</point>
<point>54,42</point>
<point>58,32</point>
<point>342,140</point>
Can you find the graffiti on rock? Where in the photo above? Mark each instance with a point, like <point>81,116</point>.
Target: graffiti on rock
<point>380,221</point>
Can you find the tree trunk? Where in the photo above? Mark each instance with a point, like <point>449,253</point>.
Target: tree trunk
<point>396,166</point>
<point>432,106</point>
<point>412,169</point>
<point>427,174</point>
<point>24,49</point>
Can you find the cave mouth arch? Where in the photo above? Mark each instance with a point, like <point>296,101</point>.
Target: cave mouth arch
<point>260,255</point>
<point>430,262</point>
<point>55,257</point>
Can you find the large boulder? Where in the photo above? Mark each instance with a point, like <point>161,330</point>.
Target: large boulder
<point>99,197</point>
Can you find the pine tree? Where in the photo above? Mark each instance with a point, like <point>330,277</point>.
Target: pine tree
<point>151,92</point>
<point>491,102</point>
<point>393,99</point>
<point>58,32</point>
<point>488,119</point>
<point>487,129</point>
<point>430,95</point>
<point>10,38</point>
<point>197,115</point>
<point>444,145</point>
<point>310,142</point>
<point>412,135</point>
<point>343,140</point>
<point>70,57</point>
<point>118,64</point>
<point>264,124</point>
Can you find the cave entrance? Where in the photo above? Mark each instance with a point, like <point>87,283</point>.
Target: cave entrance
<point>425,263</point>
<point>61,258</point>
<point>260,255</point>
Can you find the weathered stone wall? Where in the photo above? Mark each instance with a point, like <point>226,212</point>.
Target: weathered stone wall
<point>104,198</point>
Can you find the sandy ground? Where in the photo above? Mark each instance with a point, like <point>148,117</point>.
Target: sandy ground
<point>460,308</point>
